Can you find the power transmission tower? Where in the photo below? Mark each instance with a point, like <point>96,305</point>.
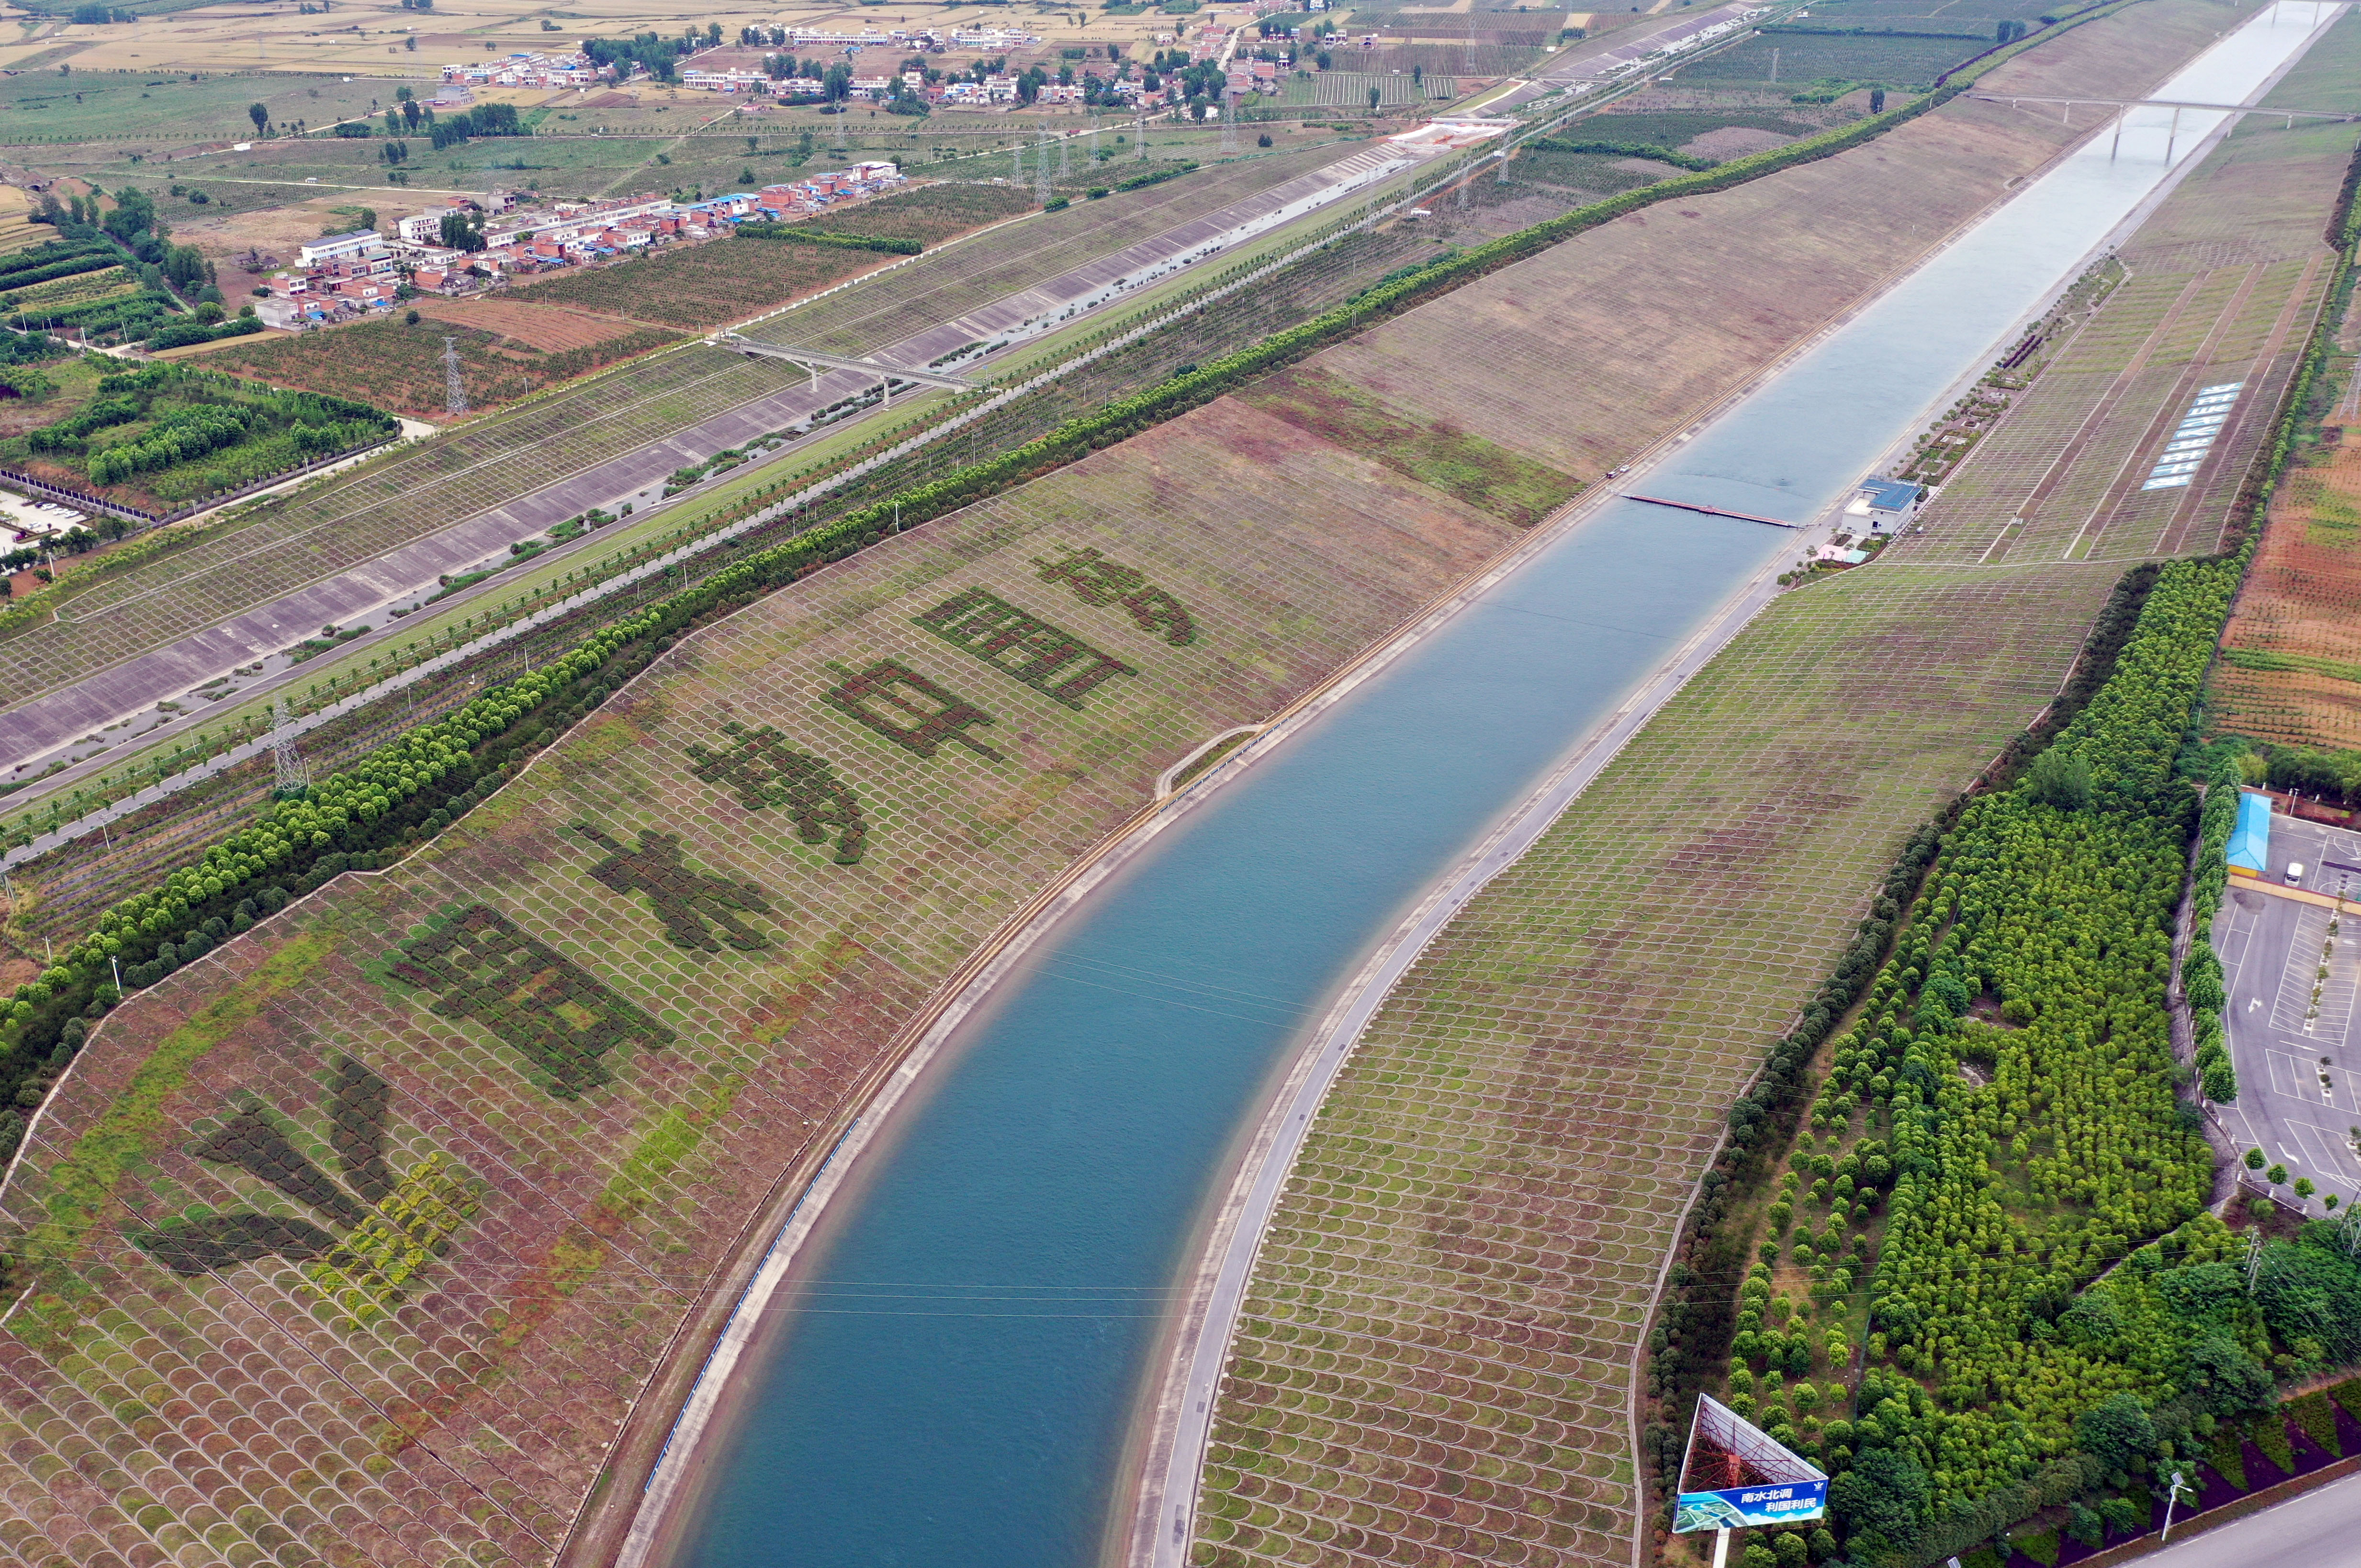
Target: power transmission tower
<point>453,391</point>
<point>1065,156</point>
<point>1041,170</point>
<point>1775,65</point>
<point>1139,128</point>
<point>294,774</point>
<point>1017,164</point>
<point>1229,123</point>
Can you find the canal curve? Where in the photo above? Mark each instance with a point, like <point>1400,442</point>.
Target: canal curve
<point>952,1370</point>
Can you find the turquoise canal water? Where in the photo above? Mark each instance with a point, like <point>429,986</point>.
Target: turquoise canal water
<point>948,1379</point>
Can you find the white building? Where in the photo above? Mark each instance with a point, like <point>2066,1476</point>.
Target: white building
<point>340,247</point>
<point>426,227</point>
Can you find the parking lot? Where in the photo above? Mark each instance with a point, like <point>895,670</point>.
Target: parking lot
<point>2293,966</point>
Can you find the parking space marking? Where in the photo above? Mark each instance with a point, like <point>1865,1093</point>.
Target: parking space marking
<point>2336,993</point>
<point>2287,1076</point>
<point>2296,969</point>
<point>2327,1156</point>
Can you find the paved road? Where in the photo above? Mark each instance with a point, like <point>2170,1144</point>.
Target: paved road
<point>1621,54</point>
<point>2321,1528</point>
<point>47,723</point>
<point>2299,1059</point>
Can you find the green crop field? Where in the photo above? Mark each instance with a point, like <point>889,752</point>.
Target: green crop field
<point>168,107</point>
<point>460,1309</point>
<point>1446,1305</point>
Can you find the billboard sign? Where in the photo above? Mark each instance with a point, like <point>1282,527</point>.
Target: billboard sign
<point>1736,1477</point>
<point>1742,1508</point>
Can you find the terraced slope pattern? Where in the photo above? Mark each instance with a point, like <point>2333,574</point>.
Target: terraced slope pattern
<point>273,1316</point>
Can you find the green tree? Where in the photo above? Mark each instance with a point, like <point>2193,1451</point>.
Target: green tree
<point>2060,778</point>
<point>1883,1496</point>
<point>261,114</point>
<point>2117,1432</point>
<point>1877,100</point>
<point>2276,1176</point>
<point>1373,100</point>
<point>2255,1160</point>
<point>1791,1549</point>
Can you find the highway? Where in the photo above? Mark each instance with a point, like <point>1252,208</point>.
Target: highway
<point>2316,1529</point>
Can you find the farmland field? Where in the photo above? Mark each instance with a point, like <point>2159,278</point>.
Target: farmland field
<point>2290,665</point>
<point>863,319</point>
<point>1805,59</point>
<point>1978,16</point>
<point>2225,280</point>
<point>168,106</point>
<point>1436,1348</point>
<point>398,366</point>
<point>563,1186</point>
<point>703,286</point>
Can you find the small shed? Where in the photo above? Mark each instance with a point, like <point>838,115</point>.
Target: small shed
<point>2250,840</point>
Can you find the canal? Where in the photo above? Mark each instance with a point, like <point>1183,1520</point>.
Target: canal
<point>947,1377</point>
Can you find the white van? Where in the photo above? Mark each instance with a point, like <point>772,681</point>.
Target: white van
<point>2294,872</point>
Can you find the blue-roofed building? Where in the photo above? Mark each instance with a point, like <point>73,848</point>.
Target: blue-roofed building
<point>2250,840</point>
<point>1885,502</point>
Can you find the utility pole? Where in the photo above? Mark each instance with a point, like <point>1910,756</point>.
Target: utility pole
<point>292,773</point>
